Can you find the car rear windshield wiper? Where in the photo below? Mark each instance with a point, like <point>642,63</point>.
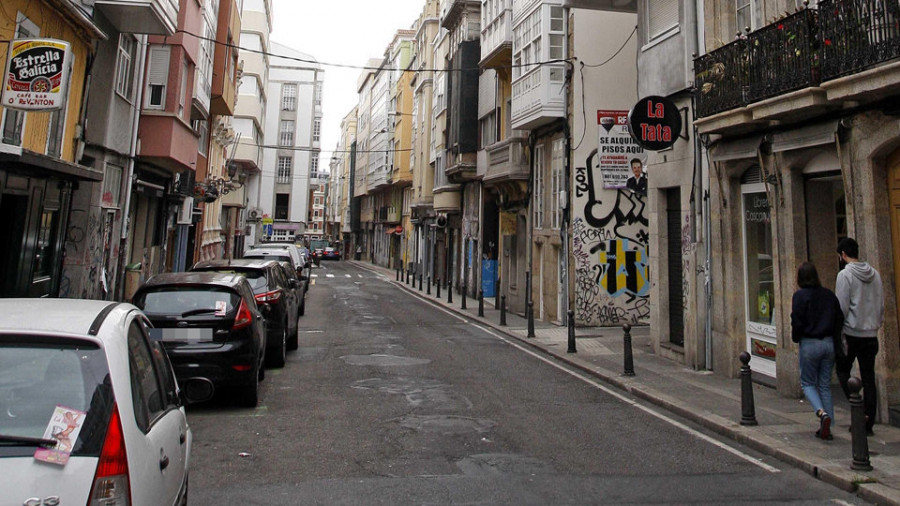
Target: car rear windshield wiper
<point>193,312</point>
<point>26,441</point>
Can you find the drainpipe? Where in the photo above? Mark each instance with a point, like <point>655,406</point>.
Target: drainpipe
<point>125,244</point>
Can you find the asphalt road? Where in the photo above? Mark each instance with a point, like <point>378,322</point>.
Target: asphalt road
<point>390,400</point>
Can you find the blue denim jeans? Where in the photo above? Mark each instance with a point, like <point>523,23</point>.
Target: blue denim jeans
<point>816,364</point>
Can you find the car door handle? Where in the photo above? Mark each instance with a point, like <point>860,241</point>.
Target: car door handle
<point>163,462</point>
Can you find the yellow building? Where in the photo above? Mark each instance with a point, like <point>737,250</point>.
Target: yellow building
<point>39,175</point>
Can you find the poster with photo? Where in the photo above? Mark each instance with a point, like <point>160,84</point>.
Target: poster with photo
<point>616,150</point>
<point>64,427</point>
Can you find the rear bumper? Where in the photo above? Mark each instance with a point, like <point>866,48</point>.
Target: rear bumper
<point>217,364</point>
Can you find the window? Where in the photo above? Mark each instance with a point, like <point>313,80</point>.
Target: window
<point>743,10</point>
<point>282,201</point>
<point>288,97</point>
<point>317,129</point>
<point>284,169</point>
<point>157,75</point>
<point>662,15</point>
<point>182,90</point>
<point>557,182</point>
<point>201,128</point>
<point>489,129</point>
<point>112,184</point>
<point>538,190</point>
<point>314,164</point>
<point>318,93</point>
<point>46,244</point>
<point>125,66</point>
<point>13,120</point>
<point>146,393</point>
<point>286,133</point>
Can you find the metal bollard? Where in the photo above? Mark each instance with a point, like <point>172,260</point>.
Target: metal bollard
<point>503,310</point>
<point>497,297</point>
<point>858,428</point>
<point>462,302</point>
<point>407,276</point>
<point>748,410</point>
<point>628,353</point>
<point>449,292</point>
<point>428,287</point>
<point>571,323</point>
<point>437,293</point>
<point>480,303</point>
<point>398,275</point>
<point>530,318</point>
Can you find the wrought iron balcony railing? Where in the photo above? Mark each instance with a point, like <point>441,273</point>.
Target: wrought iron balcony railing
<point>838,38</point>
<point>857,34</point>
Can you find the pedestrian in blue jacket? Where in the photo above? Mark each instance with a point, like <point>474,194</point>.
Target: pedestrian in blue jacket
<point>816,323</point>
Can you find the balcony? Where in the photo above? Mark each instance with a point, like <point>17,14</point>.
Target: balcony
<point>451,10</point>
<point>496,40</point>
<point>154,17</point>
<point>538,98</point>
<point>814,49</point>
<point>506,161</point>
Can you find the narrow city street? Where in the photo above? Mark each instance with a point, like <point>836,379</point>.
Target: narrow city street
<point>390,400</point>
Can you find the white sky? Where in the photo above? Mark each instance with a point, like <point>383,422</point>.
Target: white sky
<point>343,32</point>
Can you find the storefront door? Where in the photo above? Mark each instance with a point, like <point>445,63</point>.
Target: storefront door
<point>758,278</point>
<point>893,166</point>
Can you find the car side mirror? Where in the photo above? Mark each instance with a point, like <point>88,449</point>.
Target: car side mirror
<point>294,283</point>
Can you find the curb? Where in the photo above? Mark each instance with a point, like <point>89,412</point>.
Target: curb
<point>840,477</point>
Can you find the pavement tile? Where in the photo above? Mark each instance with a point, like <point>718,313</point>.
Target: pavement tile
<point>786,425</point>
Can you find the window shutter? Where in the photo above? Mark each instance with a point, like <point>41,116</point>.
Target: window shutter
<point>661,15</point>
<point>158,73</point>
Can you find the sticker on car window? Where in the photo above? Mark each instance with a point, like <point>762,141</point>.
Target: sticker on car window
<point>221,307</point>
<point>64,426</point>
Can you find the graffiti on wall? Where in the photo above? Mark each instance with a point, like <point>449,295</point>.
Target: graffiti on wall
<point>610,246</point>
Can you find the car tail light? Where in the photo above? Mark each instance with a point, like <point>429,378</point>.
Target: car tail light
<point>244,317</point>
<point>273,297</point>
<point>111,484</point>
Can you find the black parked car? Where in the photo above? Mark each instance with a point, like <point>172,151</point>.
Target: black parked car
<point>300,291</point>
<point>275,295</point>
<point>210,327</point>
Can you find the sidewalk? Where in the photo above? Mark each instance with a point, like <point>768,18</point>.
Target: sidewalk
<point>786,425</point>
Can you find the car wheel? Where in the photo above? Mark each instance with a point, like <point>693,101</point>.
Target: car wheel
<point>302,310</point>
<point>293,341</point>
<point>249,396</point>
<point>279,357</point>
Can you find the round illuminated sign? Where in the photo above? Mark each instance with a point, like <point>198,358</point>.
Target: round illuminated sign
<point>655,123</point>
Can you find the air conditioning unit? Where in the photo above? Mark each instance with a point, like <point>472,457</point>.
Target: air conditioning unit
<point>254,214</point>
<point>185,214</point>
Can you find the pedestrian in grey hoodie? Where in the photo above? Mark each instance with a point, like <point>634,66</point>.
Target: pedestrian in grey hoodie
<point>858,289</point>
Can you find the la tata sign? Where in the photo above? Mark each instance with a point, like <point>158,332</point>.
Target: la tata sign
<point>37,75</point>
<point>655,123</point>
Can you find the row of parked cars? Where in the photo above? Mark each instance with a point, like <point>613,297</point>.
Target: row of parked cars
<point>92,393</point>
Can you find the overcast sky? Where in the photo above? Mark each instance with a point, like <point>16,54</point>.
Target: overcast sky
<point>340,32</point>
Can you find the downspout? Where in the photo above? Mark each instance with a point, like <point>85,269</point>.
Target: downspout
<point>125,244</point>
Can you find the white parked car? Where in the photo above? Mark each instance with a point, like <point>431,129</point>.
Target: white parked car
<point>90,412</point>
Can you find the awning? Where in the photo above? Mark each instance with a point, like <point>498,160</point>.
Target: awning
<point>50,166</point>
<point>805,137</point>
<point>736,150</point>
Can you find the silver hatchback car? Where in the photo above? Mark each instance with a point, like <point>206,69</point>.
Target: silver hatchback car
<point>90,412</point>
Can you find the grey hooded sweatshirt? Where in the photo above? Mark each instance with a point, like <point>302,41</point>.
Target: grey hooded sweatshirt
<point>858,289</point>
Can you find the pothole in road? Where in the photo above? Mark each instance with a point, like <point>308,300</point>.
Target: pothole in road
<point>447,425</point>
<point>384,360</point>
<point>417,391</point>
<point>502,463</point>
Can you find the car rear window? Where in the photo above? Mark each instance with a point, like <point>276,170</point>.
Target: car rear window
<point>256,277</point>
<point>39,374</point>
<point>279,258</point>
<point>181,300</point>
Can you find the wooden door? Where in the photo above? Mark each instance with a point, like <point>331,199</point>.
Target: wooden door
<point>893,165</point>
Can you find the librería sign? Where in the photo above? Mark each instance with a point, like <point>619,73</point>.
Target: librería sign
<point>37,74</point>
<point>655,123</point>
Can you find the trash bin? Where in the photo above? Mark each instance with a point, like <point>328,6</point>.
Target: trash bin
<point>132,279</point>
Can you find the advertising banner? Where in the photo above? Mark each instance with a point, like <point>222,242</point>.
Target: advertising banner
<point>37,74</point>
<point>616,148</point>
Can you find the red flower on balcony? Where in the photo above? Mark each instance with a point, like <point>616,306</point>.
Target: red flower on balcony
<point>781,26</point>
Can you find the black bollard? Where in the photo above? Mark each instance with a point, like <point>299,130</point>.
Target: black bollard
<point>571,324</point>
<point>497,297</point>
<point>449,292</point>
<point>748,410</point>
<point>420,282</point>
<point>627,353</point>
<point>530,310</point>
<point>480,303</point>
<point>407,276</point>
<point>398,275</point>
<point>437,292</point>
<point>462,300</point>
<point>858,427</point>
<point>503,311</point>
<point>428,287</point>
